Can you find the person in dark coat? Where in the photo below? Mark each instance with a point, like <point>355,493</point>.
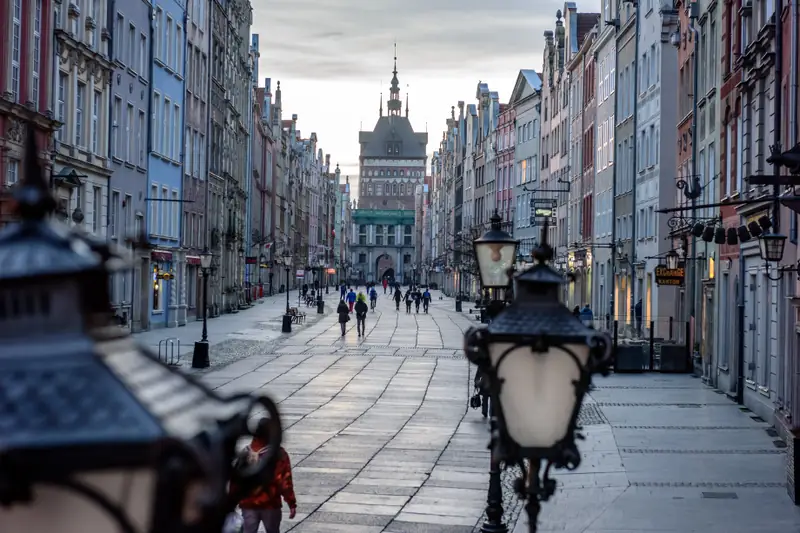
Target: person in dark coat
<point>344,315</point>
<point>397,297</point>
<point>361,313</point>
<point>409,298</point>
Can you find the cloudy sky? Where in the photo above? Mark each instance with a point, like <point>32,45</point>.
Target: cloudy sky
<point>334,58</point>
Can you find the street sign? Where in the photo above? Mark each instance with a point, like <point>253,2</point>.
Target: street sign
<point>670,276</point>
<point>300,274</point>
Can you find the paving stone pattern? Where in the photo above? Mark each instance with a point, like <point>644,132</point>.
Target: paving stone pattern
<point>382,440</point>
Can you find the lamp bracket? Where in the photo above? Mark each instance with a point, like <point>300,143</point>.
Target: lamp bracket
<point>556,191</point>
<point>680,220</point>
<point>782,270</point>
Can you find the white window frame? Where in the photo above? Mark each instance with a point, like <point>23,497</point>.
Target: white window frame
<point>144,53</point>
<point>61,103</point>
<point>168,42</point>
<point>37,52</point>
<point>176,141</point>
<point>175,206</point>
<point>97,204</point>
<point>159,44</point>
<point>96,110</point>
<point>166,138</point>
<point>12,172</point>
<point>80,103</point>
<point>179,49</point>
<point>16,48</point>
<point>113,214</point>
<point>164,212</point>
<point>130,147</point>
<point>132,47</point>
<point>119,41</point>
<point>154,215</point>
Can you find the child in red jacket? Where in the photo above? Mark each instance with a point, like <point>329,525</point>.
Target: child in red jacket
<point>263,505</point>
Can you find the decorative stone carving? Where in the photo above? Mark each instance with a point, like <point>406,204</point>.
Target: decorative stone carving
<point>105,35</point>
<point>16,130</point>
<point>74,11</point>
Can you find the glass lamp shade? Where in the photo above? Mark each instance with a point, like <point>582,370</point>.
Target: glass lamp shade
<point>672,259</point>
<point>495,258</point>
<point>771,246</point>
<point>538,398</point>
<point>205,259</point>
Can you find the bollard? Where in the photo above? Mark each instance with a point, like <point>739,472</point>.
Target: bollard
<point>320,307</point>
<point>287,324</point>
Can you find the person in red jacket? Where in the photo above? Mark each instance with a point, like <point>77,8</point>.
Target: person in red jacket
<point>263,505</point>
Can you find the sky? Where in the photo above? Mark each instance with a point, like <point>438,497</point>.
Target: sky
<point>334,58</point>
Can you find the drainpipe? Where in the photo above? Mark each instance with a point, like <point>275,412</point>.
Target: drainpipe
<point>632,261</point>
<point>776,168</point>
<point>795,23</point>
<point>613,270</point>
<point>693,246</point>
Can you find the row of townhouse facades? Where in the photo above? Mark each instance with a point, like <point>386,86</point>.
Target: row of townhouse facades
<point>652,129</point>
<point>158,134</point>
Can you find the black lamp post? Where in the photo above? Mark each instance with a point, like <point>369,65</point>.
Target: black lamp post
<point>286,326</point>
<point>94,412</point>
<point>539,360</point>
<point>495,252</point>
<point>200,357</point>
<point>320,301</point>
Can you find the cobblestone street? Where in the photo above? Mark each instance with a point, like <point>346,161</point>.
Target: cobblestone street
<point>381,438</point>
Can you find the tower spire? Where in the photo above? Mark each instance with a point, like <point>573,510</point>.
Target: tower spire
<point>380,107</point>
<point>395,104</point>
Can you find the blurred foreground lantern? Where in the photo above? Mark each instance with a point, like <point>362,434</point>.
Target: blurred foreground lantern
<point>495,252</point>
<point>539,360</point>
<point>96,434</point>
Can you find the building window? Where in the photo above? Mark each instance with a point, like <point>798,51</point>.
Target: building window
<point>159,40</point>
<point>169,45</point>
<point>166,139</point>
<point>133,60</point>
<point>12,172</point>
<point>119,41</point>
<point>61,103</point>
<point>97,210</point>
<point>164,212</point>
<point>176,221</point>
<point>37,47</point>
<point>179,49</point>
<point>153,203</point>
<point>156,115</point>
<point>80,101</point>
<point>144,54</point>
<point>96,123</point>
<point>176,142</point>
<point>130,140</point>
<point>115,127</point>
<point>113,209</point>
<point>139,139</point>
<point>16,43</point>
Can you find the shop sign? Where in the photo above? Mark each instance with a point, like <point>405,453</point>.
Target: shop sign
<point>161,256</point>
<point>250,260</point>
<point>330,271</point>
<point>193,260</point>
<point>300,274</point>
<point>670,276</point>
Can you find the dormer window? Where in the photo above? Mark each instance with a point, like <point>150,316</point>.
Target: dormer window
<point>393,148</point>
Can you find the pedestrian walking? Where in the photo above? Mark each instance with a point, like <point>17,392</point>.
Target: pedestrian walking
<point>361,313</point>
<point>426,300</point>
<point>342,291</point>
<point>351,299</point>
<point>344,315</point>
<point>409,299</point>
<point>637,313</point>
<point>417,296</point>
<point>263,505</point>
<point>586,315</point>
<point>385,284</point>
<point>373,298</point>
<point>397,297</point>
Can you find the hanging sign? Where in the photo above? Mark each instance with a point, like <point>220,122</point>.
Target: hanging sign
<point>250,260</point>
<point>670,276</point>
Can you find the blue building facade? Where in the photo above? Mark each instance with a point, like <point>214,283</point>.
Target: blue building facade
<point>165,161</point>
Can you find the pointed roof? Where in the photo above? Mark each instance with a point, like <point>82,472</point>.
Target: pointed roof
<point>528,83</point>
<point>393,129</point>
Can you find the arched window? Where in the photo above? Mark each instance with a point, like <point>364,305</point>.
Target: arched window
<point>395,173</point>
<point>394,189</point>
<point>402,173</point>
<point>402,189</point>
<point>378,189</point>
<point>381,172</point>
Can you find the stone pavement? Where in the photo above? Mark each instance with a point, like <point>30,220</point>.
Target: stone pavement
<point>382,440</point>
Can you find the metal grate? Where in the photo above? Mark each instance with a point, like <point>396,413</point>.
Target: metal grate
<point>768,451</point>
<point>657,404</point>
<point>710,484</point>
<point>591,415</point>
<point>691,428</point>
<point>720,495</point>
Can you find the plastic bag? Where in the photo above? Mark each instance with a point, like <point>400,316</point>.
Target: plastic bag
<point>234,523</point>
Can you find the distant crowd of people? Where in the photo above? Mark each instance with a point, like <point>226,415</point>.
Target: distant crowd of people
<point>351,302</point>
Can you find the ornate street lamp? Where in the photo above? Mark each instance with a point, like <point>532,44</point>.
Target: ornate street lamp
<point>97,434</point>
<point>672,259</point>
<point>539,360</point>
<point>495,252</point>
<point>771,246</point>
<point>200,357</point>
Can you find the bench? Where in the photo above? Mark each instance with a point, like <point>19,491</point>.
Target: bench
<point>298,317</point>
